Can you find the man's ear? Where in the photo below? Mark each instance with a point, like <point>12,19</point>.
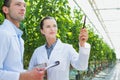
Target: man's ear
<point>5,9</point>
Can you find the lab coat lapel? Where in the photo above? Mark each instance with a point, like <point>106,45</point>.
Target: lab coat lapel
<point>44,53</point>
<point>56,51</point>
<point>8,25</point>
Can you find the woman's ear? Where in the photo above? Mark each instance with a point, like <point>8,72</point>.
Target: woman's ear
<point>5,9</point>
<point>42,32</point>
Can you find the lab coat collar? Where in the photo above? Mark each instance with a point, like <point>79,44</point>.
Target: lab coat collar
<point>11,27</point>
<point>56,50</point>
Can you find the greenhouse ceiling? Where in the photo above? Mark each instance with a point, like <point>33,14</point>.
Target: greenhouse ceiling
<point>105,16</point>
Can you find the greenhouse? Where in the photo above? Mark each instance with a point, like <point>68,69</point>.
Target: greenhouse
<point>100,18</point>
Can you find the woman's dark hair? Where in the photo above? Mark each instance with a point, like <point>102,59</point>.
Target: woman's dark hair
<point>42,21</point>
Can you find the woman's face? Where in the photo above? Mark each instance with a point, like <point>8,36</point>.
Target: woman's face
<point>49,28</point>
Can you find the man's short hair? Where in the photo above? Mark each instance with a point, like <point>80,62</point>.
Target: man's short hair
<point>7,3</point>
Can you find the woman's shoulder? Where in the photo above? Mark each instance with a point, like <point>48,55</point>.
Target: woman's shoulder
<point>63,43</point>
<point>67,45</point>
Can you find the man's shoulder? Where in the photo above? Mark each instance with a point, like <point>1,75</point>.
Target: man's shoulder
<point>4,32</point>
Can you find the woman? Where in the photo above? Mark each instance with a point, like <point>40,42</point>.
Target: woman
<point>56,50</point>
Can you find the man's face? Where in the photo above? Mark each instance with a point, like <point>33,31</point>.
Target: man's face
<point>17,10</point>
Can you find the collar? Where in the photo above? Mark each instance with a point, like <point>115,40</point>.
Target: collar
<point>51,45</point>
<point>17,30</point>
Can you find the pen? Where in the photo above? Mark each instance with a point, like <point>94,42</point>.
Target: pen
<point>84,22</point>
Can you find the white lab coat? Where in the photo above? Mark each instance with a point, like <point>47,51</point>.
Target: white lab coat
<point>64,53</point>
<point>11,63</point>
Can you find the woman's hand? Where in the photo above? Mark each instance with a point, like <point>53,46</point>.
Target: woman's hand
<point>83,37</point>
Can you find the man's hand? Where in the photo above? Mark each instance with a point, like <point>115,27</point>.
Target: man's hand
<point>35,74</point>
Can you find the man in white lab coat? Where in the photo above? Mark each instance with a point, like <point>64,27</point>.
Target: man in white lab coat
<point>56,50</point>
<point>12,45</point>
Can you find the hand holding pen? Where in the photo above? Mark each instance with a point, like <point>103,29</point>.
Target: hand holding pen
<point>83,37</point>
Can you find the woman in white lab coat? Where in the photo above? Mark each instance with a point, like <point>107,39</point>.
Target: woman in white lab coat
<point>56,50</point>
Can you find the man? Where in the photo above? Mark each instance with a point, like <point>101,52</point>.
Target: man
<point>12,45</point>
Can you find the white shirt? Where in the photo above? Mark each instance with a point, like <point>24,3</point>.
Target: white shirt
<point>11,56</point>
<point>64,53</point>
